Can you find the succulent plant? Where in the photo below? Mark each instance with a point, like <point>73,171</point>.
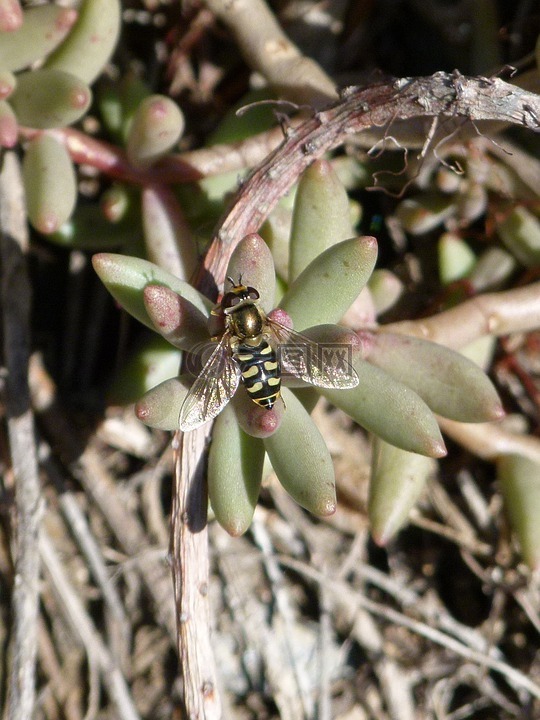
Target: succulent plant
<point>313,265</point>
<point>402,380</point>
<point>455,197</point>
<point>48,60</point>
<point>72,47</point>
<point>399,386</point>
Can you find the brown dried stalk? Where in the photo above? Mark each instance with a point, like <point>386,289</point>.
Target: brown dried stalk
<point>189,552</point>
<point>26,519</point>
<point>87,465</point>
<point>491,440</point>
<point>452,96</point>
<point>498,313</point>
<point>483,658</point>
<point>98,654</point>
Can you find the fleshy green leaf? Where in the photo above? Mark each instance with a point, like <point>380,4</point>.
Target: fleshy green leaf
<point>420,215</point>
<point>308,396</point>
<point>520,232</point>
<point>8,81</point>
<point>353,174</point>
<point>391,410</point>
<point>471,203</point>
<point>50,183</point>
<point>255,420</point>
<point>337,344</point>
<point>235,465</point>
<point>49,98</point>
<point>480,351</point>
<point>456,259</point>
<point>252,261</point>
<point>275,232</point>
<point>452,385</point>
<point>169,240</point>
<point>160,406</point>
<point>132,91</point>
<point>301,459</point>
<point>152,363</point>
<point>126,277</point>
<point>236,125</point>
<point>88,229</point>
<point>175,318</point>
<point>328,286</point>
<point>385,289</point>
<point>447,180</point>
<point>321,216</point>
<point>118,102</point>
<point>116,203</point>
<point>492,269</point>
<point>44,27</point>
<point>332,334</point>
<point>11,15</point>
<point>9,129</point>
<point>397,480</point>
<point>156,127</point>
<point>91,42</point>
<point>519,478</point>
<point>341,343</point>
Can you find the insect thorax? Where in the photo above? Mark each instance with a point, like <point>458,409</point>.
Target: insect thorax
<point>247,322</point>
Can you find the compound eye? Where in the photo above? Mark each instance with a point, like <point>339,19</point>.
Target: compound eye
<point>252,294</point>
<point>230,299</point>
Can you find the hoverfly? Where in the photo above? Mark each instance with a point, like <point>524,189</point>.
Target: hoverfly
<point>256,350</point>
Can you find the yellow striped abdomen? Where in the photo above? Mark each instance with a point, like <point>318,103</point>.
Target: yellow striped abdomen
<point>261,373</point>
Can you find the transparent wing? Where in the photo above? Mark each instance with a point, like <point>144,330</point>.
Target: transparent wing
<point>212,389</point>
<point>326,365</point>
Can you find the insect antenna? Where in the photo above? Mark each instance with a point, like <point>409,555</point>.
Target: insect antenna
<point>229,278</point>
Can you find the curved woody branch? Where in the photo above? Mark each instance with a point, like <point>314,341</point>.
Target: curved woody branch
<point>442,95</point>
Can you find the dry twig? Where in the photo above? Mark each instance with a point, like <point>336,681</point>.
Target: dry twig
<point>500,313</point>
<point>442,95</point>
<point>98,654</point>
<point>483,659</point>
<point>28,510</point>
<point>189,552</point>
<point>87,465</point>
<point>264,632</point>
<point>490,440</point>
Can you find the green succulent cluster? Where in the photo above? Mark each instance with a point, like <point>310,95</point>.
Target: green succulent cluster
<point>489,184</point>
<point>72,48</point>
<point>47,64</point>
<point>402,381</point>
<point>455,198</point>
